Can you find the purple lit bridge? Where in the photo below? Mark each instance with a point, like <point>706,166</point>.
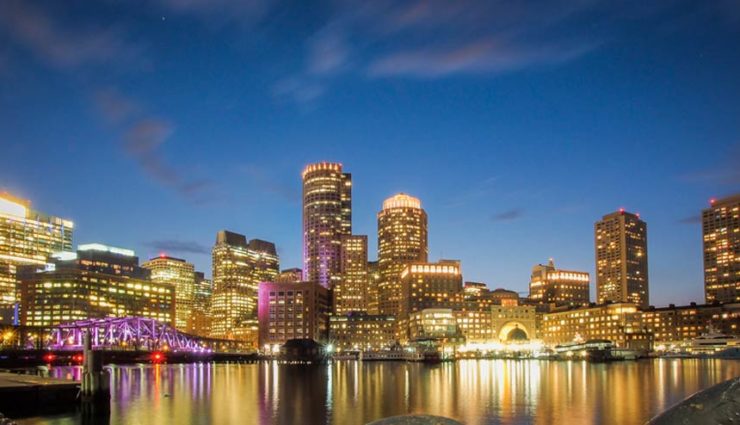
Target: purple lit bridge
<point>133,333</point>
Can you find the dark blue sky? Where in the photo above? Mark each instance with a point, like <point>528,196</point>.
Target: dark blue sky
<point>154,124</point>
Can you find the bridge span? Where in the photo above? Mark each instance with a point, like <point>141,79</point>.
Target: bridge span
<point>122,334</point>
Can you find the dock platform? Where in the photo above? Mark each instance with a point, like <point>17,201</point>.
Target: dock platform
<point>24,394</point>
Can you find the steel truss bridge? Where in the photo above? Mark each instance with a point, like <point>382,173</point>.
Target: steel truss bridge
<point>134,333</point>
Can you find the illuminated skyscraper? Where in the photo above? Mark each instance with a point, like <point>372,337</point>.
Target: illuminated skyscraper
<point>181,275</point>
<point>351,291</point>
<point>201,323</point>
<point>721,235</point>
<point>327,215</point>
<point>238,269</point>
<point>622,259</point>
<point>27,237</point>
<point>549,285</point>
<point>402,239</point>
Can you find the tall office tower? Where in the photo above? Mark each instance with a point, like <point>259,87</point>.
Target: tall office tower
<point>402,239</point>
<point>721,235</point>
<point>431,285</point>
<point>94,282</point>
<point>549,285</point>
<point>622,259</point>
<point>373,282</point>
<point>201,324</point>
<point>27,237</point>
<point>327,215</point>
<point>350,293</point>
<point>181,275</point>
<point>238,269</point>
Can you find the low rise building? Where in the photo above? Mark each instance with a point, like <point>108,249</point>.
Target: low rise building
<point>620,323</point>
<point>677,324</point>
<point>435,325</point>
<point>362,332</point>
<point>511,323</point>
<point>292,311</point>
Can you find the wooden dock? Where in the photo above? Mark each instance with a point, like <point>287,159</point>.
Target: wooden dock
<point>21,395</point>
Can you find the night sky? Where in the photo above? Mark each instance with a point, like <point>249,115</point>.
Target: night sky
<point>519,124</point>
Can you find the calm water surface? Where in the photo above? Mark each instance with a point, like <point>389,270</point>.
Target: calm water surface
<point>349,392</point>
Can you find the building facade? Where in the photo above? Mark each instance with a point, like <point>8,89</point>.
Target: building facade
<point>290,276</point>
<point>373,282</point>
<point>549,285</point>
<point>362,332</point>
<point>27,237</point>
<point>350,293</point>
<point>181,275</point>
<point>402,239</point>
<point>431,285</point>
<point>679,324</point>
<point>434,324</point>
<point>202,293</point>
<point>238,268</point>
<point>292,311</point>
<point>514,323</point>
<point>620,323</point>
<point>721,245</point>
<point>622,259</point>
<point>327,216</point>
<point>95,282</point>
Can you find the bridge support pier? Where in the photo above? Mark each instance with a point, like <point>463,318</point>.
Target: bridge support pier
<point>95,380</point>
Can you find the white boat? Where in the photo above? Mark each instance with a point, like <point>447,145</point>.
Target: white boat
<point>712,342</point>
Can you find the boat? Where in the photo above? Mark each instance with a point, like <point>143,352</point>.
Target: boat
<point>731,353</point>
<point>593,349</point>
<point>626,354</point>
<point>712,342</point>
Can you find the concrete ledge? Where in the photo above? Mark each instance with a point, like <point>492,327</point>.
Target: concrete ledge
<point>716,405</point>
<point>415,420</point>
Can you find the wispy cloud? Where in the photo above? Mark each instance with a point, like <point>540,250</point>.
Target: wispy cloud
<point>299,89</point>
<point>430,39</point>
<point>694,219</point>
<point>177,246</point>
<point>438,38</point>
<point>142,136</point>
<point>508,215</point>
<point>726,172</point>
<point>486,56</point>
<point>64,46</point>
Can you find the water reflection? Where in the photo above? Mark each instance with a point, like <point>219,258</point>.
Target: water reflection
<point>472,391</point>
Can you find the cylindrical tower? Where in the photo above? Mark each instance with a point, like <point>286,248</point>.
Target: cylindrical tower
<point>327,215</point>
<point>402,238</point>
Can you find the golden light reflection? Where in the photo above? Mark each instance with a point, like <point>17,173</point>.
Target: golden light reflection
<point>475,392</point>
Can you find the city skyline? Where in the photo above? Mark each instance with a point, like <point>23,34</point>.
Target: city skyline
<point>188,120</point>
<point>523,292</point>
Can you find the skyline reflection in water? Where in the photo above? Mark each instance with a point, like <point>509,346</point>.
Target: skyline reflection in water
<point>350,392</point>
